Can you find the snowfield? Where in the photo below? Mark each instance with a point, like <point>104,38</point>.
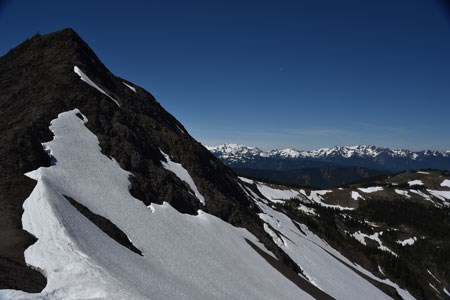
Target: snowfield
<point>322,265</point>
<point>415,182</point>
<point>184,256</point>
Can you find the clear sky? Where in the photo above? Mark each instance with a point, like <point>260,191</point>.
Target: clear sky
<point>273,74</point>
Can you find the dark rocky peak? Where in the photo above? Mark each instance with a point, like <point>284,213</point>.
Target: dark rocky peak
<point>37,82</point>
<point>62,47</point>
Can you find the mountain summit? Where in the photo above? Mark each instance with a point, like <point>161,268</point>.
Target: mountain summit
<point>56,73</point>
<point>105,195</point>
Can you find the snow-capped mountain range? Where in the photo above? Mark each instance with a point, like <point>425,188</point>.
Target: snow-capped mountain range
<point>239,152</point>
<point>363,156</point>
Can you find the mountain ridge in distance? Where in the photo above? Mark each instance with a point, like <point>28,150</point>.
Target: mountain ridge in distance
<point>370,157</point>
<point>345,151</point>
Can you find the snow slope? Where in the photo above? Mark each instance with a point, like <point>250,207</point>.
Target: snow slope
<point>184,256</point>
<point>321,264</point>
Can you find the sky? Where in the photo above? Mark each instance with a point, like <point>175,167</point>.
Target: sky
<point>272,74</point>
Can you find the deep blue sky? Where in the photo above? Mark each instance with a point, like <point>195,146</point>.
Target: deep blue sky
<point>273,74</point>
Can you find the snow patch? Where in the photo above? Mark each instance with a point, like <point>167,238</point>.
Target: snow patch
<point>402,193</point>
<point>371,189</point>
<point>356,196</point>
<point>276,195</point>
<point>181,130</point>
<point>307,210</point>
<point>371,224</point>
<point>246,180</point>
<point>441,195</point>
<point>250,193</point>
<point>415,182</point>
<point>434,288</point>
<point>130,87</point>
<point>407,242</point>
<point>422,194</point>
<point>86,79</point>
<point>446,183</point>
<point>317,197</point>
<point>423,172</point>
<point>276,238</point>
<point>432,275</point>
<point>182,174</point>
<point>381,270</point>
<point>361,237</point>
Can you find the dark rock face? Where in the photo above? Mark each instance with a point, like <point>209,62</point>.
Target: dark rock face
<point>106,226</point>
<point>37,82</point>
